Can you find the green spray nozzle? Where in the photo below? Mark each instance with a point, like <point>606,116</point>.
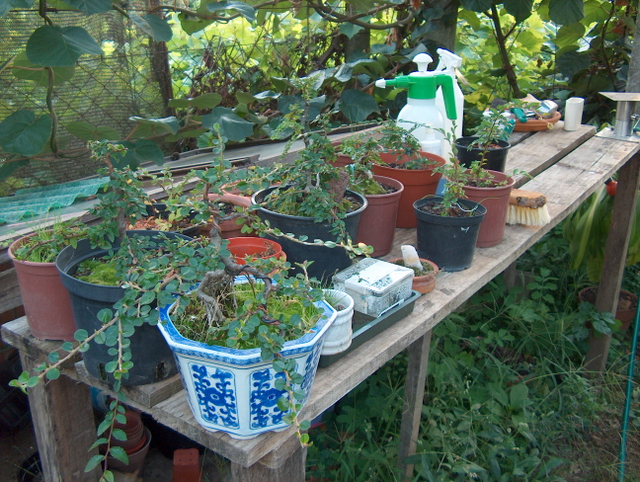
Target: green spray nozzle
<point>425,87</point>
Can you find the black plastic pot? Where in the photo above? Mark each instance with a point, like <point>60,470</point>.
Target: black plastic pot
<point>495,159</point>
<point>152,359</point>
<point>448,241</point>
<point>326,261</point>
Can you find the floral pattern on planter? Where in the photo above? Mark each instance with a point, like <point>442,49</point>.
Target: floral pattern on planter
<point>215,392</point>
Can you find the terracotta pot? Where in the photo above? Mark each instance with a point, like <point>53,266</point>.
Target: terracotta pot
<point>417,183</point>
<point>627,304</point>
<point>45,299</point>
<point>378,222</point>
<point>422,284</point>
<point>136,459</point>
<point>496,200</point>
<point>253,247</point>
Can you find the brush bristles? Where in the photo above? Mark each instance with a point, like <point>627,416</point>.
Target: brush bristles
<point>528,216</point>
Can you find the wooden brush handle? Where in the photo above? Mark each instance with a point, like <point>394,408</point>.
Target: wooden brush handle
<point>529,199</point>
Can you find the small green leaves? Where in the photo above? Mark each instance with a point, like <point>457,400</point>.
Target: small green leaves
<point>94,461</point>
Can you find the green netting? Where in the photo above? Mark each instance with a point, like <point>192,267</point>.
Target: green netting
<point>41,200</point>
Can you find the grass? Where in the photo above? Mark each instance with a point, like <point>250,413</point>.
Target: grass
<point>507,399</point>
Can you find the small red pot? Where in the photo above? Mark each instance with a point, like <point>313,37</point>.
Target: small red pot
<point>422,284</point>
<point>248,247</point>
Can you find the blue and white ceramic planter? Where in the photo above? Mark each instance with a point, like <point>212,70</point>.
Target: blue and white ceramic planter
<point>233,390</point>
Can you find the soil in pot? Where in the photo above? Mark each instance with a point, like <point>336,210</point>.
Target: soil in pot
<point>626,309</point>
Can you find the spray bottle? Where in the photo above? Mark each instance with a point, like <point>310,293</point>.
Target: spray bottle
<point>420,115</point>
<point>448,64</point>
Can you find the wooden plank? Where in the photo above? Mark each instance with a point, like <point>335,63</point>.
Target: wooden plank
<point>62,418</point>
<point>413,400</point>
<point>10,297</point>
<point>537,153</point>
<point>615,256</point>
<point>288,464</point>
<point>146,396</point>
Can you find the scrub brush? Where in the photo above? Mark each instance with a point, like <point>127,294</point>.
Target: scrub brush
<point>528,208</point>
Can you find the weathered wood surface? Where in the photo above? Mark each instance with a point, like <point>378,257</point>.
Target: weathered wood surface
<point>414,388</point>
<point>536,153</point>
<point>615,255</point>
<point>63,422</point>
<point>10,292</point>
<point>566,184</point>
<point>146,396</point>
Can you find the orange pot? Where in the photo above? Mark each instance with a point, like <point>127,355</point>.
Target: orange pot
<point>417,183</point>
<point>249,247</point>
<point>422,284</point>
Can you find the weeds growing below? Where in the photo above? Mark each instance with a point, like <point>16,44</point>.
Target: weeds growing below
<point>506,397</point>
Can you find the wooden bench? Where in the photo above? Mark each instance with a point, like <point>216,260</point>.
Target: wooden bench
<point>567,167</point>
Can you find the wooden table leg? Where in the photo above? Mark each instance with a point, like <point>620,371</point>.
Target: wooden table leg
<point>64,426</point>
<point>413,399</point>
<point>287,464</point>
<point>615,255</point>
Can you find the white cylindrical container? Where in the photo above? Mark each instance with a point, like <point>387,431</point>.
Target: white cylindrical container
<point>338,338</point>
<point>573,113</point>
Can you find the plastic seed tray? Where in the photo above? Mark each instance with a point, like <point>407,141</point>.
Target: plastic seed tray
<point>366,327</point>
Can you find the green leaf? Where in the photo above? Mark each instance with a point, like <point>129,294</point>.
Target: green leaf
<point>8,168</point>
<point>93,462</point>
<point>247,11</point>
<point>564,12</point>
<point>53,46</point>
<point>67,346</point>
<point>54,356</point>
<point>357,105</point>
<point>40,76</point>
<point>89,132</point>
<point>22,133</point>
<point>53,374</point>
<point>120,454</point>
<point>520,9</point>
<point>519,396</point>
<point>156,27</point>
<point>477,5</point>
<point>148,127</point>
<point>570,34</point>
<point>232,126</point>
<point>7,5</point>
<point>349,29</point>
<point>143,150</point>
<point>90,6</point>
<point>108,476</point>
<point>572,62</point>
<point>207,101</point>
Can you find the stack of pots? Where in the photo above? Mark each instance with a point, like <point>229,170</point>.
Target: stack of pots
<point>136,446</point>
